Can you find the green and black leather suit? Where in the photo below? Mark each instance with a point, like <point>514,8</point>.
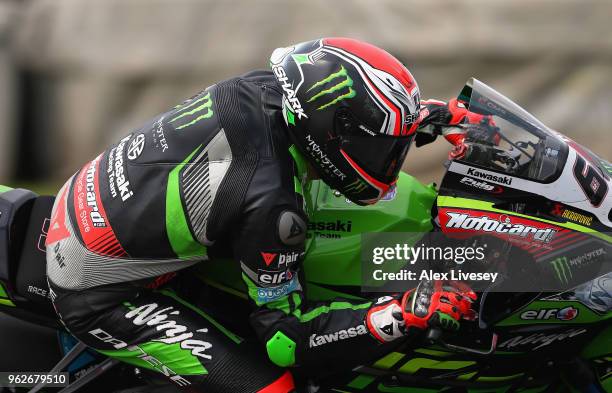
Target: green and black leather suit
<point>218,168</point>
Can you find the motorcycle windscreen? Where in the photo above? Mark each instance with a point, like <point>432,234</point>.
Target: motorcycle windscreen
<point>509,139</point>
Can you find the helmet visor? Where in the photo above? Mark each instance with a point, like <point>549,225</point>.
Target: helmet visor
<point>380,155</point>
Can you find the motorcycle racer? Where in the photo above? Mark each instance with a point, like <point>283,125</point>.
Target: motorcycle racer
<point>228,168</point>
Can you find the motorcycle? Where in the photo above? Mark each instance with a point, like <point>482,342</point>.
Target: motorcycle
<point>516,178</point>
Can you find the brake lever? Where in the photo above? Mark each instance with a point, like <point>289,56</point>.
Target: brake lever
<point>434,336</point>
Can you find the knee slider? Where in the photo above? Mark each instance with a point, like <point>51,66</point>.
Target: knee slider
<point>281,350</point>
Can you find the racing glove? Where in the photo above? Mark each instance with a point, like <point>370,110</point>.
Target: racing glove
<point>449,119</point>
<point>435,304</point>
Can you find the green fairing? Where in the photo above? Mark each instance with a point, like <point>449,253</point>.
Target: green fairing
<point>7,302</point>
<point>415,364</point>
<point>4,297</point>
<point>179,360</point>
<point>409,211</point>
<point>394,389</point>
<point>4,189</point>
<point>3,292</point>
<point>595,349</point>
<point>466,203</point>
<point>585,314</point>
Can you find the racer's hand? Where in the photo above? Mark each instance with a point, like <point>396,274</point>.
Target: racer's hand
<point>440,304</point>
<point>456,123</point>
<point>475,128</point>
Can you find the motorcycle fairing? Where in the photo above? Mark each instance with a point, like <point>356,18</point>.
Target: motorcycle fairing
<point>447,203</point>
<point>531,157</point>
<point>565,189</point>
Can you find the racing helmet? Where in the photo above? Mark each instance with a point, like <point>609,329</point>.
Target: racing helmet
<point>351,109</point>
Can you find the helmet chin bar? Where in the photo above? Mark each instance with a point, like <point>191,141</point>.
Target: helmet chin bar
<point>382,188</point>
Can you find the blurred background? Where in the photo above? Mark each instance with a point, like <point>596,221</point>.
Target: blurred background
<point>77,74</point>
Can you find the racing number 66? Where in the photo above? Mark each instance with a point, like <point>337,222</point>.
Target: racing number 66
<point>592,183</point>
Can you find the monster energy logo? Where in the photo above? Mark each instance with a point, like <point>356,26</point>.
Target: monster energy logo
<point>562,269</point>
<point>191,113</point>
<point>356,186</point>
<point>343,87</point>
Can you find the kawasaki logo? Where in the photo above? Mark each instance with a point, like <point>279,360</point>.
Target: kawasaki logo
<point>486,224</point>
<point>290,94</point>
<point>337,226</point>
<point>489,177</point>
<point>189,114</point>
<point>343,88</point>
<point>117,172</point>
<point>562,269</point>
<point>323,339</point>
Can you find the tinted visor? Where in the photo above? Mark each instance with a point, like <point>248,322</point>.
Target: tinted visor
<point>381,156</point>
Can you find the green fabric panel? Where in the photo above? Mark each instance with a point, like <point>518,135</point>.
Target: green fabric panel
<point>281,350</point>
<point>179,234</point>
<point>282,304</point>
<point>334,306</point>
<point>297,186</point>
<point>301,166</point>
<point>216,324</point>
<point>179,360</point>
<point>300,161</point>
<point>252,289</point>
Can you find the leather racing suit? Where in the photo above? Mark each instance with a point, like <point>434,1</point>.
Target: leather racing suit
<point>219,168</point>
